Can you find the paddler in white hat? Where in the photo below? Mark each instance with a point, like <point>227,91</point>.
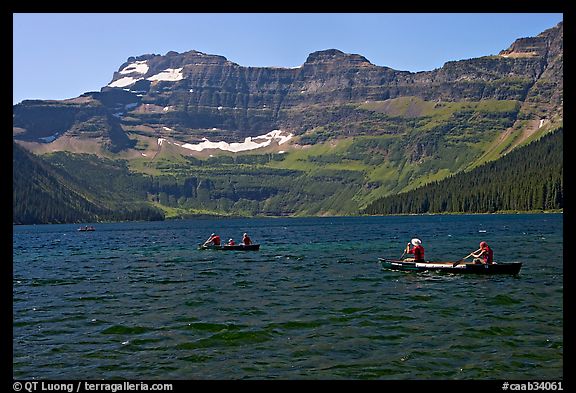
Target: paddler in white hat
<point>417,250</point>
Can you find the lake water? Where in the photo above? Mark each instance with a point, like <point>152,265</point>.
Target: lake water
<point>139,301</point>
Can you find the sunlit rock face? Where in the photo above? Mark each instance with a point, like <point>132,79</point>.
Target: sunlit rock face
<point>199,100</point>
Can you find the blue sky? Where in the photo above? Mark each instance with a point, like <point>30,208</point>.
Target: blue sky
<point>59,56</point>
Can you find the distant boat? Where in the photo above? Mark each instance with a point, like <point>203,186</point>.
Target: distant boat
<point>225,247</point>
<point>86,229</point>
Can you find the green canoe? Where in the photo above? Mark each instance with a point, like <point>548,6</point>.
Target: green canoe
<point>452,267</point>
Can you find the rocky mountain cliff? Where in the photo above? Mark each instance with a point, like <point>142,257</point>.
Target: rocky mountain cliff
<point>191,96</point>
<point>187,134</point>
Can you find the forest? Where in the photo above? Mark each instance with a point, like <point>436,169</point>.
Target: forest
<point>44,193</point>
<point>529,178</point>
<point>65,188</point>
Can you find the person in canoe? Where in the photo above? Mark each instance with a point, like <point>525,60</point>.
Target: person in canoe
<point>418,250</point>
<point>246,240</point>
<point>231,242</point>
<point>213,239</point>
<point>484,254</point>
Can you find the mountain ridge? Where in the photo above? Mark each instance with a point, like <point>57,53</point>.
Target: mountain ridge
<point>328,137</point>
<point>193,90</point>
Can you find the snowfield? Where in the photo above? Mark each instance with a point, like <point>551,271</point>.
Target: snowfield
<point>250,143</point>
<point>140,67</point>
<point>123,82</point>
<point>169,74</point>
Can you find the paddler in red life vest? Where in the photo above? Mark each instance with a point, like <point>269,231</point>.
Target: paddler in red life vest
<point>213,239</point>
<point>231,242</point>
<point>418,251</point>
<point>246,240</point>
<point>484,254</point>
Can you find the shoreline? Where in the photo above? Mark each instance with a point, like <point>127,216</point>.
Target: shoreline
<point>222,217</point>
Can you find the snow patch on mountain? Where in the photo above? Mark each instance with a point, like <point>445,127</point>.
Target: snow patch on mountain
<point>123,82</point>
<point>140,67</point>
<point>250,143</point>
<point>48,139</point>
<point>169,74</point>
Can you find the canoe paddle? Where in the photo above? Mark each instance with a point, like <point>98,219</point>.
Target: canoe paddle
<point>461,260</point>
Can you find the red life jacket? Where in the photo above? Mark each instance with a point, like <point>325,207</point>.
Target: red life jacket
<point>488,255</point>
<point>418,252</point>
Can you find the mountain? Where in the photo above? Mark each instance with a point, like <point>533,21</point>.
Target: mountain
<point>193,95</point>
<point>47,196</point>
<point>528,179</point>
<point>328,137</point>
<point>44,193</point>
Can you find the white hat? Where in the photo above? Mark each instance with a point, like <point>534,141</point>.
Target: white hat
<point>416,242</point>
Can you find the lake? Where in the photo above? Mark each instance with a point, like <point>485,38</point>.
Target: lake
<point>139,301</point>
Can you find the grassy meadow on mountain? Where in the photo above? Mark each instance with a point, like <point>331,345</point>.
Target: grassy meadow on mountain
<point>189,134</point>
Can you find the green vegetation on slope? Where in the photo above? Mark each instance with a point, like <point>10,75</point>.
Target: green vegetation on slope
<point>73,188</point>
<point>39,196</point>
<point>527,179</point>
<point>364,153</point>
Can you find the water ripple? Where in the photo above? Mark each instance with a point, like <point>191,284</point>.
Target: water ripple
<point>139,301</point>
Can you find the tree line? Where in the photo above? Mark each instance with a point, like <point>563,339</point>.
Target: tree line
<point>42,193</point>
<point>529,178</point>
<point>64,187</point>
